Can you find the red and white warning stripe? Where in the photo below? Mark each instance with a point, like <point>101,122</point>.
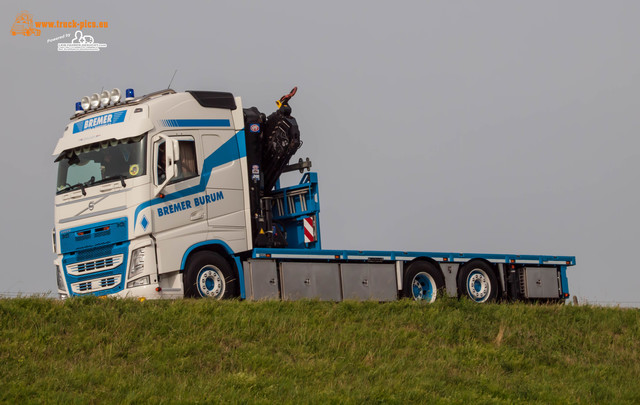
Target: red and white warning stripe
<point>309,230</point>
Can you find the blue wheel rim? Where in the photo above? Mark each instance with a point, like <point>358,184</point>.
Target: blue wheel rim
<point>210,282</point>
<point>478,285</point>
<point>423,287</point>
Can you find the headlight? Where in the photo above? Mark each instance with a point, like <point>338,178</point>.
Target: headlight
<point>137,262</point>
<point>115,96</point>
<point>53,239</point>
<point>138,282</point>
<point>105,98</point>
<point>85,103</point>
<point>94,100</point>
<point>61,285</point>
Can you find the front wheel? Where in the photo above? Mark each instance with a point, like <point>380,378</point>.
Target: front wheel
<point>209,275</point>
<point>423,281</point>
<point>478,281</point>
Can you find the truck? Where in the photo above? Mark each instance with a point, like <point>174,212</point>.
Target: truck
<point>178,194</point>
<point>24,25</point>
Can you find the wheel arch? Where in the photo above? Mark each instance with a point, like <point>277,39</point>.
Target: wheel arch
<point>221,248</point>
<point>421,259</point>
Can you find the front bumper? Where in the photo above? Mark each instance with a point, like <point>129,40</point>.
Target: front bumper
<point>106,271</point>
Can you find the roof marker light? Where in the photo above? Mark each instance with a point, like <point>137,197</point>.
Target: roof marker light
<point>94,100</point>
<point>105,97</point>
<point>129,95</point>
<point>84,102</point>
<point>79,109</point>
<point>116,95</point>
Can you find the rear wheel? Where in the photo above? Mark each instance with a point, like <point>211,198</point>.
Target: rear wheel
<point>478,281</point>
<point>423,281</point>
<point>209,275</point>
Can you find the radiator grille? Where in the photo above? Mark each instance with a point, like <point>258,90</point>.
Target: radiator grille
<point>96,284</point>
<point>92,266</point>
<point>96,252</point>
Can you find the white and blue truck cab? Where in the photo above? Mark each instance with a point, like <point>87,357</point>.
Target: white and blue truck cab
<point>177,194</point>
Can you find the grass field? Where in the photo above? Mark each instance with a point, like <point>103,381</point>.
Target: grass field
<point>125,351</point>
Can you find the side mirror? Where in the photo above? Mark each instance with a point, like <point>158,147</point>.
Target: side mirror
<point>171,159</point>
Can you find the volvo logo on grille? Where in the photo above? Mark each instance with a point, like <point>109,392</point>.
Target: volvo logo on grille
<point>89,207</point>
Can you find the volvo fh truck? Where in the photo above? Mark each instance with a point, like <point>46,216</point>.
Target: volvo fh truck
<point>178,194</point>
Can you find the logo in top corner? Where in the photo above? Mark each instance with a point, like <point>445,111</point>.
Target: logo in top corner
<point>82,43</point>
<point>23,25</point>
<point>254,128</point>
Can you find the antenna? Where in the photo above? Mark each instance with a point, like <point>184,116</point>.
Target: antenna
<point>174,75</point>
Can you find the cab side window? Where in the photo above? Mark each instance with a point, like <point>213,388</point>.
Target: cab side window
<point>187,166</point>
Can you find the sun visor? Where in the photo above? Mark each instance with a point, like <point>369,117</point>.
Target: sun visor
<point>105,125</point>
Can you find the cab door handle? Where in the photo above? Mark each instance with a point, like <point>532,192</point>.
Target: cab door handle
<point>197,215</point>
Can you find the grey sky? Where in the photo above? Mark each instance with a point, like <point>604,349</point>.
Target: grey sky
<point>494,126</point>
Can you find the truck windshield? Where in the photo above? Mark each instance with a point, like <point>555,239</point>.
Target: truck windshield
<point>102,162</point>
